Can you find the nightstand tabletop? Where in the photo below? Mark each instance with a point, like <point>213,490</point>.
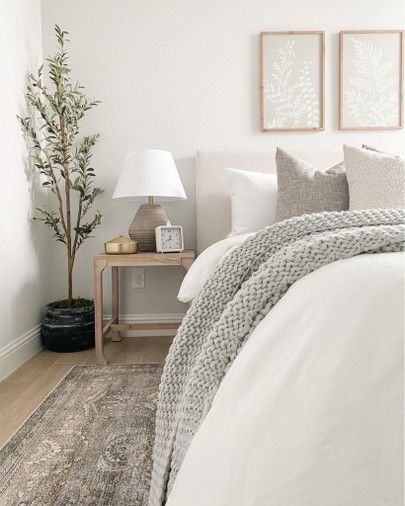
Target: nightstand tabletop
<point>146,259</point>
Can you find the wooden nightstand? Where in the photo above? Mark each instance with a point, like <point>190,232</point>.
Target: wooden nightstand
<point>100,262</point>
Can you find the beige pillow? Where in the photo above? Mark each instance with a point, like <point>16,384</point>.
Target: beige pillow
<point>302,189</point>
<point>376,180</point>
<point>372,148</point>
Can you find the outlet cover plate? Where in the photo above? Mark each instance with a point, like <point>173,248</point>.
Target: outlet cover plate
<point>138,278</point>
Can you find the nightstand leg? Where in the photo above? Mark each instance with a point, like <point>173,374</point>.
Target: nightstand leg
<point>115,300</point>
<point>98,312</point>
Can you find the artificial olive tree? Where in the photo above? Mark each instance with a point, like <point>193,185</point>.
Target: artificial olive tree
<point>61,157</point>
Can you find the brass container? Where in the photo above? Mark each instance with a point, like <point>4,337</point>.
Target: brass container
<point>121,245</point>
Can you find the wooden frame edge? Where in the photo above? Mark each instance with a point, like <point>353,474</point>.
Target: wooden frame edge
<point>342,33</point>
<point>261,86</point>
<point>341,127</point>
<point>321,127</point>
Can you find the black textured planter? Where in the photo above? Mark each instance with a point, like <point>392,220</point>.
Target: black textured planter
<point>68,329</point>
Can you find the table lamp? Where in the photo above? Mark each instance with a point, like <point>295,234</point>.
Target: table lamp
<point>149,176</point>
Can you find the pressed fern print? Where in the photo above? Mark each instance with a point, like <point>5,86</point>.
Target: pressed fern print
<point>371,100</point>
<point>291,90</point>
<point>371,79</point>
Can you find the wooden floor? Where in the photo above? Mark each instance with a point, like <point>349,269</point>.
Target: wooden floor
<point>23,391</point>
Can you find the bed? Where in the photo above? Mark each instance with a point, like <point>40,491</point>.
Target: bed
<point>308,406</point>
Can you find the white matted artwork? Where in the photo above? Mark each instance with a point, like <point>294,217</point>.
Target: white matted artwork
<point>371,80</point>
<point>292,80</point>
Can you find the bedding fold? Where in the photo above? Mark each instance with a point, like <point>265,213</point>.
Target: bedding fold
<point>243,289</point>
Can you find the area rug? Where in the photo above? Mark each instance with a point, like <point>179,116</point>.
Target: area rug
<point>89,442</point>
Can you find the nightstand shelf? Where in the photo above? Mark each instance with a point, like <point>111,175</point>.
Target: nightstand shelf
<point>101,262</point>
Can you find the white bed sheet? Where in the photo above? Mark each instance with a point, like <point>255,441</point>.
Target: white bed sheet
<point>205,264</point>
<point>311,411</point>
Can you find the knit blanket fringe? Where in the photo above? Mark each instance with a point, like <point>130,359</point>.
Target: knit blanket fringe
<point>243,289</point>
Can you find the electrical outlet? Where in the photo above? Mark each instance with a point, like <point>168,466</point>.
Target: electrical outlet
<point>138,278</point>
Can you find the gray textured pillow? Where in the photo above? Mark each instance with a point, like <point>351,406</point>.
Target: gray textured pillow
<point>376,180</point>
<point>302,189</point>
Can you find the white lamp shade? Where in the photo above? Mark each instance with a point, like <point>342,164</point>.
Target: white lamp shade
<point>149,173</point>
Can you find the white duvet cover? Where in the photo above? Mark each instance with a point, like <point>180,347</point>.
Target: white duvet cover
<point>311,411</point>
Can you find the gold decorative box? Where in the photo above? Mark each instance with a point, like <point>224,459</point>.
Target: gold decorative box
<point>121,245</point>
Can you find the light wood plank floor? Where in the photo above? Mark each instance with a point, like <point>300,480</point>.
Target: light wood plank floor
<point>23,391</point>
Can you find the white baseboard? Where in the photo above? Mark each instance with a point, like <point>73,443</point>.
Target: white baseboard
<point>150,318</point>
<point>14,354</point>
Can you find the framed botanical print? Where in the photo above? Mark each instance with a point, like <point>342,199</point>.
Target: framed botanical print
<point>371,79</point>
<point>292,72</point>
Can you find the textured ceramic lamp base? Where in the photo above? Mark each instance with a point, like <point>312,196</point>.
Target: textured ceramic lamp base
<point>142,228</point>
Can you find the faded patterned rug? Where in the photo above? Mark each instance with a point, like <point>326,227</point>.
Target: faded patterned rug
<point>89,442</point>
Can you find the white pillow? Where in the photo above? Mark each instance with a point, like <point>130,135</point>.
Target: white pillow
<point>205,264</point>
<point>376,180</point>
<point>253,200</point>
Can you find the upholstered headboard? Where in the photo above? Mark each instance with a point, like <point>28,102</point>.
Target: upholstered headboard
<point>213,199</point>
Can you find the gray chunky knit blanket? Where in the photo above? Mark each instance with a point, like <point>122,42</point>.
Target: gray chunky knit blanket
<point>244,288</point>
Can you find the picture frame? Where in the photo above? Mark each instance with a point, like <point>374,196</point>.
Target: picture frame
<point>292,81</point>
<point>371,80</point>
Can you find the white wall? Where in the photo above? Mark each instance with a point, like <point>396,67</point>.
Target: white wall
<point>183,75</point>
<point>23,282</point>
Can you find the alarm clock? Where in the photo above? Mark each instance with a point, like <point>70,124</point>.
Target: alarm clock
<point>169,238</point>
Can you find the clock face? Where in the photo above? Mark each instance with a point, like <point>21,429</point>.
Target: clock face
<point>171,238</point>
